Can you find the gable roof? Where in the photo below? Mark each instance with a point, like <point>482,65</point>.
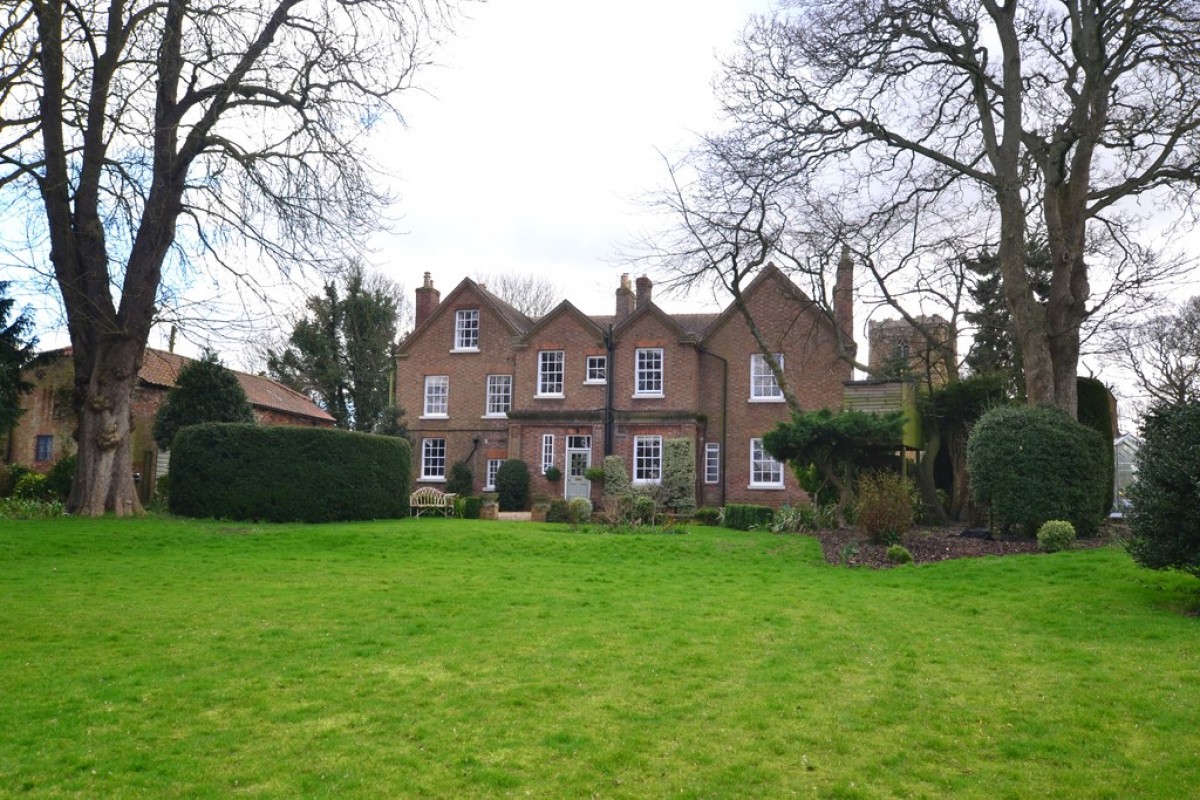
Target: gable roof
<point>566,307</point>
<point>517,321</point>
<point>671,321</point>
<point>769,272</point>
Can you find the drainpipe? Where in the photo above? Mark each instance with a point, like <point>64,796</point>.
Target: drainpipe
<point>724,413</point>
<point>610,373</point>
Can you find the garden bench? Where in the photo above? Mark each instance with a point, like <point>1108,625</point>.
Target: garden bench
<point>428,498</point>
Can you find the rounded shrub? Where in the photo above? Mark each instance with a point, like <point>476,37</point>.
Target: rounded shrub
<point>616,477</point>
<point>1031,464</point>
<point>288,474</point>
<point>31,486</point>
<point>512,484</point>
<point>579,510</point>
<point>559,511</point>
<point>899,554</point>
<point>1164,516</point>
<point>644,509</point>
<point>60,478</point>
<point>1055,535</point>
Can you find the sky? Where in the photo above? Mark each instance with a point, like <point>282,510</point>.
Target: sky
<point>541,135</point>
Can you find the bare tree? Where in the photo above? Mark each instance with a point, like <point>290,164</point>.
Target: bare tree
<point>1163,355</point>
<point>530,294</point>
<point>140,136</point>
<point>913,123</point>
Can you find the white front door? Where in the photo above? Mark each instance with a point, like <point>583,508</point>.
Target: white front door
<point>579,458</point>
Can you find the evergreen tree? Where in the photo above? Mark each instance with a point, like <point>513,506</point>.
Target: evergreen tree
<point>16,352</point>
<point>205,391</point>
<point>341,352</point>
<point>996,349</point>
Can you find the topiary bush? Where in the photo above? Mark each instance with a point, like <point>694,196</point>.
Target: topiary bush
<point>1164,517</point>
<point>899,554</point>
<point>1031,464</point>
<point>743,517</point>
<point>678,489</point>
<point>707,515</point>
<point>512,484</point>
<point>461,481</point>
<point>1055,535</point>
<point>644,509</point>
<point>579,510</point>
<point>887,505</point>
<point>616,477</point>
<point>286,474</point>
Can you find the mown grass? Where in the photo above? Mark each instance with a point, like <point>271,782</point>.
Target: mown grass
<point>442,658</point>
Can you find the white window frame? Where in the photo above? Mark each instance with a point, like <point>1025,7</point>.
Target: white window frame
<point>489,475</point>
<point>437,397</point>
<point>466,330</point>
<point>647,460</point>
<point>712,462</point>
<point>648,379</point>
<point>431,457</point>
<point>550,380</point>
<point>763,386</point>
<point>596,370</point>
<point>547,451</point>
<point>765,471</point>
<point>499,396</point>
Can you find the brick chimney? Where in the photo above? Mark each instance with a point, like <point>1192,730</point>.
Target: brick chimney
<point>643,291</point>
<point>427,300</point>
<point>843,296</point>
<point>624,299</point>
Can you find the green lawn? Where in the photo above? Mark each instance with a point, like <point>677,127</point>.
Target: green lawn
<point>442,658</point>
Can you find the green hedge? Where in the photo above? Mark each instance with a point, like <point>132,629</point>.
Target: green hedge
<point>286,474</point>
<point>743,517</point>
<point>1032,464</point>
<point>1164,520</point>
<point>1095,411</point>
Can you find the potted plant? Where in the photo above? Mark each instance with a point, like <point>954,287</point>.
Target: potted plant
<point>553,474</point>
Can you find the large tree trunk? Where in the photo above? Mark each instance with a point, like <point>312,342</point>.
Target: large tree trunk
<point>105,375</point>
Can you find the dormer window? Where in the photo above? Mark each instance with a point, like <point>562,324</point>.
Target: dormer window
<point>466,329</point>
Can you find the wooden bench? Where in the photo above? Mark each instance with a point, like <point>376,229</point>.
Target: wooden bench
<point>428,498</point>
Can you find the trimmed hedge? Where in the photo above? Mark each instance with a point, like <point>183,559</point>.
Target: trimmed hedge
<point>1096,413</point>
<point>1032,464</point>
<point>742,517</point>
<point>512,484</point>
<point>286,474</point>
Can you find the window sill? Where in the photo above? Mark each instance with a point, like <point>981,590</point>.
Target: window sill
<point>766,400</point>
<point>465,350</point>
<point>434,416</point>
<point>648,396</point>
<point>595,383</point>
<point>423,479</point>
<point>647,483</point>
<point>559,396</point>
<point>774,487</point>
<point>495,416</point>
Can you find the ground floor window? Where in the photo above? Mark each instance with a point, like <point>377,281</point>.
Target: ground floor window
<point>647,459</point>
<point>433,459</point>
<point>493,466</point>
<point>43,448</point>
<point>547,451</point>
<point>712,462</point>
<point>765,471</point>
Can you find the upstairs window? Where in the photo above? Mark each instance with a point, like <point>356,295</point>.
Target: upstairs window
<point>648,377</point>
<point>597,369</point>
<point>550,373</point>
<point>466,329</point>
<point>499,395</point>
<point>647,459</point>
<point>763,385</point>
<point>437,395</point>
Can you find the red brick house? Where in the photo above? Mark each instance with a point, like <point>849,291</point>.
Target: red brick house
<point>43,434</point>
<point>482,383</point>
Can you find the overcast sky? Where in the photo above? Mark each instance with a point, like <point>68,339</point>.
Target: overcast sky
<point>542,130</point>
